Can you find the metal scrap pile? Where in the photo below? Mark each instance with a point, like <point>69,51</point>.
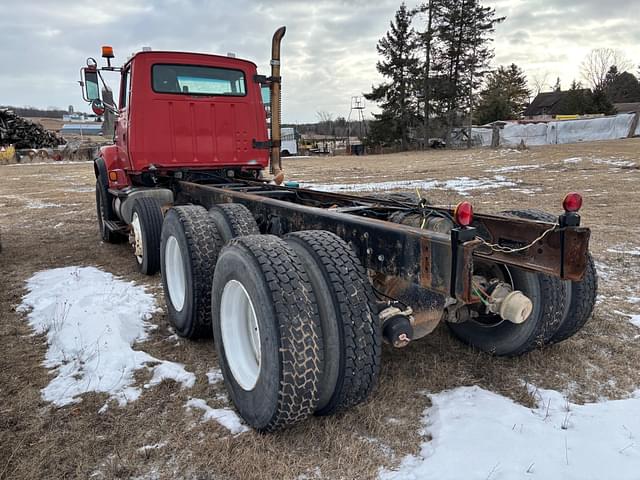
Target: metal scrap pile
<point>22,133</point>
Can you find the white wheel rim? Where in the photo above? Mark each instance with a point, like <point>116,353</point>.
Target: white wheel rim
<point>138,248</point>
<point>174,273</point>
<point>240,334</point>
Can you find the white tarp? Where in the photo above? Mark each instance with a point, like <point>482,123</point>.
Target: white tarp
<point>481,136</point>
<point>567,131</point>
<point>637,132</point>
<point>573,131</point>
<point>532,134</point>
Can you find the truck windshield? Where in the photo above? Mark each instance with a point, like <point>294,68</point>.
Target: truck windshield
<point>197,80</point>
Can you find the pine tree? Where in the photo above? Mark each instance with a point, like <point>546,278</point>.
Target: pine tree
<point>621,87</point>
<point>504,96</point>
<point>427,42</point>
<point>399,64</point>
<point>557,87</point>
<point>465,36</point>
<point>577,101</point>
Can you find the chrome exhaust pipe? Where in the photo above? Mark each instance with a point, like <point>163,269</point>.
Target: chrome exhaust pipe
<point>276,106</point>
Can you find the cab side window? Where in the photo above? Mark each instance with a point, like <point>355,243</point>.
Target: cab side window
<point>125,88</point>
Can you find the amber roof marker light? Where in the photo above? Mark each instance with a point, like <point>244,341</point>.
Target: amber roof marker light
<point>107,52</point>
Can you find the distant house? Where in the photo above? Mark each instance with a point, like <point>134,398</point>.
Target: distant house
<point>546,105</point>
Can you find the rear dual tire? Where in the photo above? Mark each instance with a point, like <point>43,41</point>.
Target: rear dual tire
<point>294,327</point>
<point>268,327</point>
<point>560,308</point>
<point>189,248</point>
<point>501,337</point>
<point>581,295</point>
<point>262,294</point>
<point>351,331</point>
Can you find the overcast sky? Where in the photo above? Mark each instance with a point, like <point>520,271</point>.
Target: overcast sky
<point>328,52</point>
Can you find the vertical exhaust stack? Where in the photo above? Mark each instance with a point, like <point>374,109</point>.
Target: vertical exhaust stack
<point>276,106</point>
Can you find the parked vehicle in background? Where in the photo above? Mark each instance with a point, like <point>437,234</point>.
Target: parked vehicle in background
<point>289,144</point>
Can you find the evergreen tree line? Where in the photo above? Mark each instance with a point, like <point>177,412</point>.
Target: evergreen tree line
<point>436,63</point>
<point>434,57</point>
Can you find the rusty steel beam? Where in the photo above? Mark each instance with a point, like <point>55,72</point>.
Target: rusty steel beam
<point>423,257</point>
<point>561,253</point>
<point>415,255</point>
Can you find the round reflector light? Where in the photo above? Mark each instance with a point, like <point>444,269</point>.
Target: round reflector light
<point>98,107</point>
<point>572,202</point>
<point>463,214</point>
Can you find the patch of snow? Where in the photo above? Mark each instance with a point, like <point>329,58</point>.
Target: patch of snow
<point>224,416</point>
<point>572,160</point>
<point>527,191</point>
<point>613,162</point>
<point>605,272</point>
<point>155,446</point>
<point>81,190</point>
<point>477,434</point>
<point>38,204</point>
<point>634,319</point>
<point>36,164</point>
<point>462,185</point>
<point>171,371</point>
<point>92,319</point>
<point>385,449</point>
<point>632,251</point>
<point>513,168</point>
<point>214,376</point>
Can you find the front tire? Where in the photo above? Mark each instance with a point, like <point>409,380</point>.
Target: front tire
<point>146,229</point>
<point>105,213</point>
<point>267,332</point>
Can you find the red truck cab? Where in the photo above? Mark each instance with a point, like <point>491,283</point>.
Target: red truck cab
<point>187,110</point>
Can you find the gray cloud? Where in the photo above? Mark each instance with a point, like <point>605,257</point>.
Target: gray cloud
<point>328,54</point>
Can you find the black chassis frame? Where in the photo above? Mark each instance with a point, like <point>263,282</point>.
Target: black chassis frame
<point>439,262</point>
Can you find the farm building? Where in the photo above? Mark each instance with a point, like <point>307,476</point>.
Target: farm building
<point>546,105</point>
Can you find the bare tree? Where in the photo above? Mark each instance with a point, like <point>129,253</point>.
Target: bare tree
<point>540,81</point>
<point>325,122</point>
<point>597,63</point>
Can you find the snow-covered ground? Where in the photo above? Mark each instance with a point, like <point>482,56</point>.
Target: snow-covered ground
<point>462,185</point>
<point>477,434</point>
<point>92,320</point>
<point>224,416</point>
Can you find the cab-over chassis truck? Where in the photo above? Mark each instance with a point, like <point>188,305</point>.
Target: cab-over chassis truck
<point>300,287</point>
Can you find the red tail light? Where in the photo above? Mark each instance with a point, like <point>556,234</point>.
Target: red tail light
<point>463,214</point>
<point>572,202</point>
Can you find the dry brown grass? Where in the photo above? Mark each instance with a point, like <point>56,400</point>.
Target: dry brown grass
<point>38,441</point>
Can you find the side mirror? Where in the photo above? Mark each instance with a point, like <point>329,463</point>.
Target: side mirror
<point>89,82</point>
